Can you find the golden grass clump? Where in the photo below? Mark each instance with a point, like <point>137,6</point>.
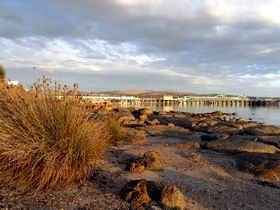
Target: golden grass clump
<point>2,72</point>
<point>114,128</point>
<point>47,139</point>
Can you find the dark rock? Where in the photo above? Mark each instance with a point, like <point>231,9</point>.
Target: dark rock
<point>264,130</point>
<point>136,193</point>
<point>140,192</point>
<point>208,137</point>
<point>150,161</point>
<point>263,166</point>
<point>178,121</point>
<point>223,129</point>
<point>272,140</point>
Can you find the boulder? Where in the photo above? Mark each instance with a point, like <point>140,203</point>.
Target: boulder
<point>237,146</point>
<point>136,167</point>
<point>150,161</point>
<point>172,198</point>
<point>263,130</point>
<point>139,193</point>
<point>153,164</point>
<point>263,166</point>
<point>136,193</point>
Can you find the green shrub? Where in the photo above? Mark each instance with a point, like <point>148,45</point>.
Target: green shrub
<point>47,139</point>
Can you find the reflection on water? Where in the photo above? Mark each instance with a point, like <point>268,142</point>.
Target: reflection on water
<point>269,114</point>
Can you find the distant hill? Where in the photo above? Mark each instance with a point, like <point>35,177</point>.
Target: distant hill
<point>146,93</point>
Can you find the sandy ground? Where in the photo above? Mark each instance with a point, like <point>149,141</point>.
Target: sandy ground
<point>208,179</point>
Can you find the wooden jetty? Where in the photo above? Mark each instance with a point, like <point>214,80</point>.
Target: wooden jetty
<point>218,100</point>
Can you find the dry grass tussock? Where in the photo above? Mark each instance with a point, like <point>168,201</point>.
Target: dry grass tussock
<point>47,139</point>
<point>2,72</point>
<point>117,135</point>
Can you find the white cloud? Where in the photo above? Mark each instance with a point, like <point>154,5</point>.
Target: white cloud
<point>204,44</point>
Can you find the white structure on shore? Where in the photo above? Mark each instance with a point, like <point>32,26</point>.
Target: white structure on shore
<point>15,82</point>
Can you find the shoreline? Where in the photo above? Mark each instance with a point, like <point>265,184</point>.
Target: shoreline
<point>216,160</point>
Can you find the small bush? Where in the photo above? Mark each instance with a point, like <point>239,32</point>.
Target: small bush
<point>47,139</point>
<point>2,72</point>
<point>115,130</point>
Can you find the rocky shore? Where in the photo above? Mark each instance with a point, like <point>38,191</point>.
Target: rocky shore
<point>174,160</point>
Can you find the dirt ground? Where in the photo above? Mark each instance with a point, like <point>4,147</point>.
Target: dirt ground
<point>208,179</point>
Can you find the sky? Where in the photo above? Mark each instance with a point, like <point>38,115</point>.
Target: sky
<point>202,46</point>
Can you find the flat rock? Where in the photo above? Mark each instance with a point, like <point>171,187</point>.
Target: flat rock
<point>263,130</point>
<point>223,129</point>
<point>273,140</point>
<point>188,145</point>
<point>237,146</point>
<point>263,166</point>
<point>135,136</point>
<point>184,122</point>
<point>165,130</point>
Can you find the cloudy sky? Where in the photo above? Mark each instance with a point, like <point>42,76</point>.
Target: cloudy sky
<point>204,46</point>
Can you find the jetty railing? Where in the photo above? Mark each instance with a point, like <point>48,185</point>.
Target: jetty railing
<point>187,100</point>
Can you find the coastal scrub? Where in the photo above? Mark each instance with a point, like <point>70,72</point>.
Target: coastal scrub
<point>47,139</point>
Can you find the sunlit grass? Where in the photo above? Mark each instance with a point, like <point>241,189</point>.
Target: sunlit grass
<point>47,139</point>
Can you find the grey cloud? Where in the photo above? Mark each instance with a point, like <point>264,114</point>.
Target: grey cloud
<point>199,43</point>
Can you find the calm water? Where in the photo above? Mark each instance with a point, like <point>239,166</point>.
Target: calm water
<point>270,115</point>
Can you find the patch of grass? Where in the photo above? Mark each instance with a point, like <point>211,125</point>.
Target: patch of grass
<point>115,130</point>
<point>2,72</point>
<point>47,139</point>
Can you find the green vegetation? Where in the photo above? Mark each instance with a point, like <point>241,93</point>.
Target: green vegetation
<point>2,72</point>
<point>47,139</point>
